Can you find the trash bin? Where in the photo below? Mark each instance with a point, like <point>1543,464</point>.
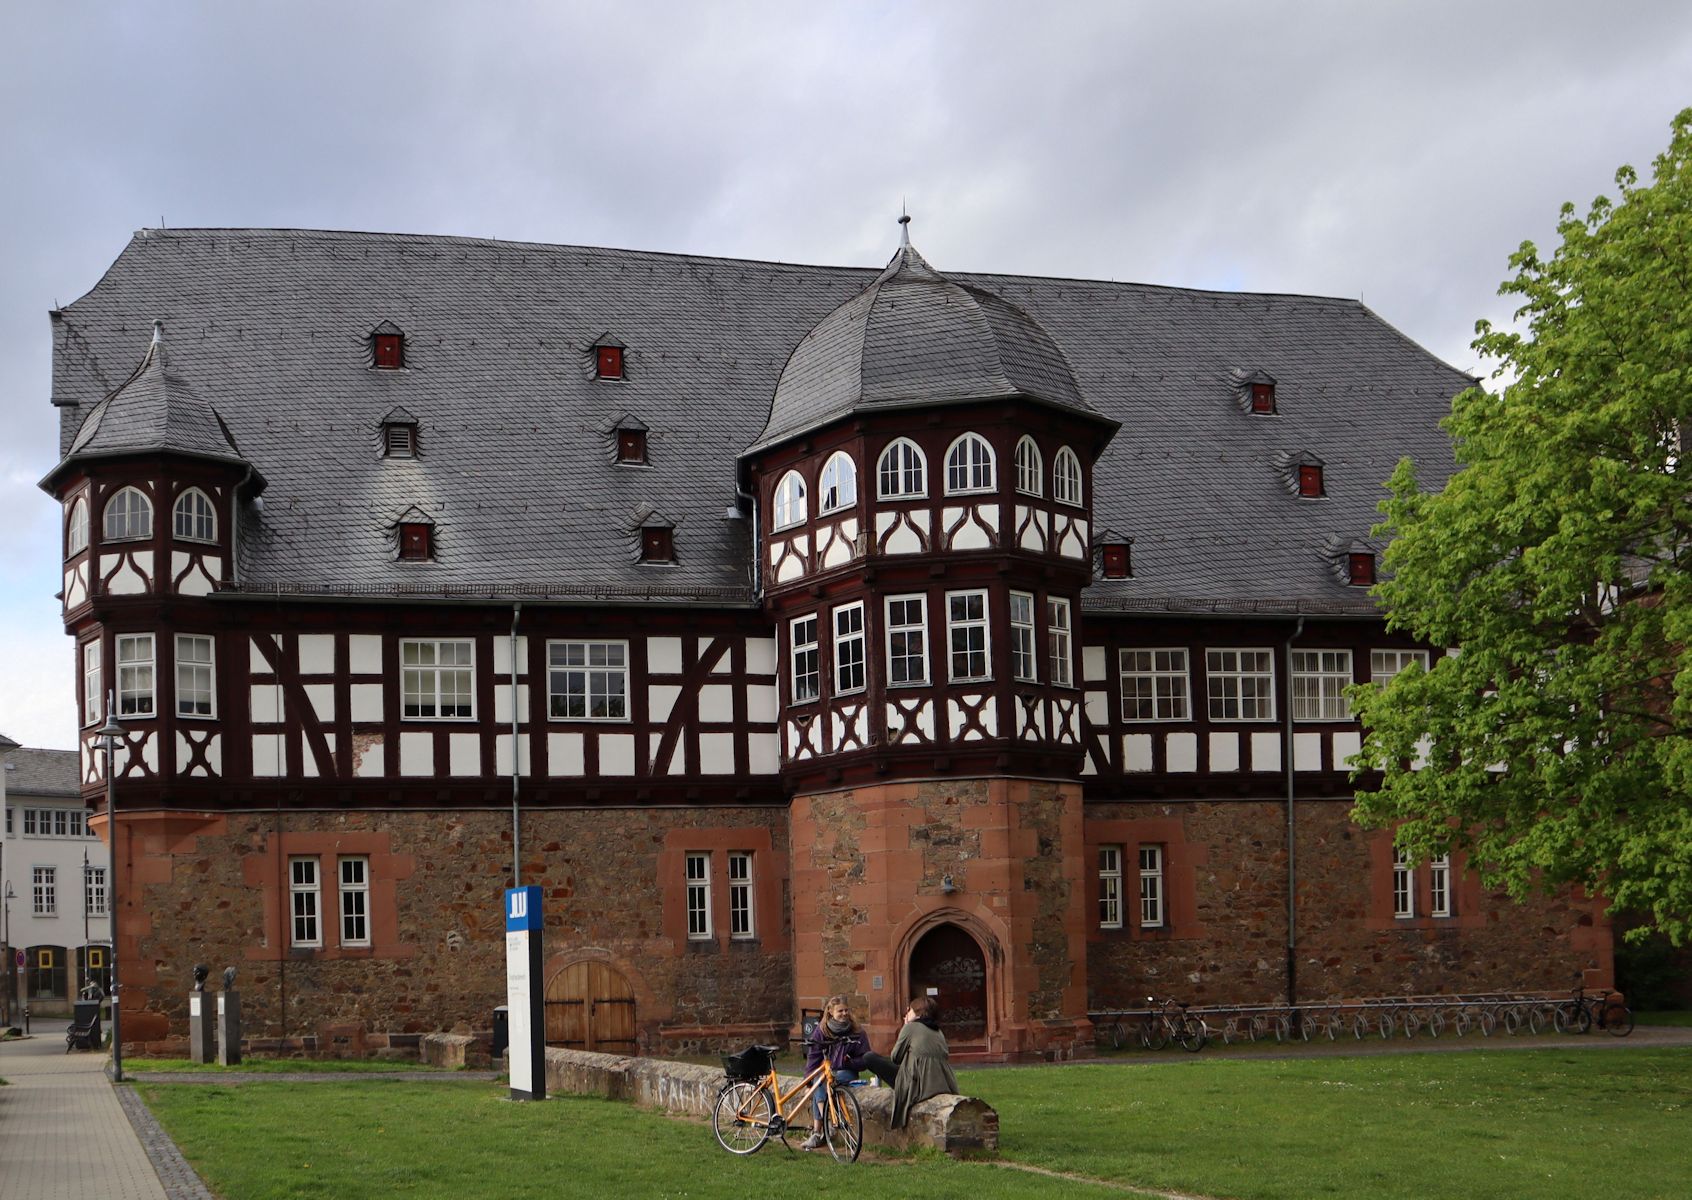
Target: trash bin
<point>501,1031</point>
<point>88,1012</point>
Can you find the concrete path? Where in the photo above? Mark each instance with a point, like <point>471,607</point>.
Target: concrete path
<point>63,1133</point>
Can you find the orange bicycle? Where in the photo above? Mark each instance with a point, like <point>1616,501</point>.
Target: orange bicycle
<point>751,1108</point>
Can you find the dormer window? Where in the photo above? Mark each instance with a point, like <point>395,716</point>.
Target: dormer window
<point>387,347</point>
<point>1361,569</point>
<point>1115,563</point>
<point>416,541</point>
<point>1263,398</point>
<point>1310,481</point>
<point>608,362</point>
<point>657,544</point>
<point>631,445</point>
<point>399,441</point>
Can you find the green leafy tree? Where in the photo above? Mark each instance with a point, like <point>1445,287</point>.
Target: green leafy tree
<point>1553,745</point>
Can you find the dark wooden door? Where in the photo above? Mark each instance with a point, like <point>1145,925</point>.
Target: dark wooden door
<point>948,960</point>
<point>590,1006</point>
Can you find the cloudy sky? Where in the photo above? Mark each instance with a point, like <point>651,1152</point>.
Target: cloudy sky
<point>1393,151</point>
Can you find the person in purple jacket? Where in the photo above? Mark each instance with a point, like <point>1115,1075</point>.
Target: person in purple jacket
<point>840,1039</point>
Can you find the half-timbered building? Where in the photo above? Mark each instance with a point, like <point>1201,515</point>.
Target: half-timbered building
<point>800,630</point>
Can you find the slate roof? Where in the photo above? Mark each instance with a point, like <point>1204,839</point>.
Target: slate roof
<point>42,773</point>
<point>518,471</point>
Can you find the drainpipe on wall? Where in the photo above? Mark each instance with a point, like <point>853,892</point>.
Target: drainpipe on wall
<point>516,757</point>
<point>1292,831</point>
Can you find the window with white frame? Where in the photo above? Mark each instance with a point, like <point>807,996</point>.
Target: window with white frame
<point>1384,664</point>
<point>355,901</point>
<point>1403,885</point>
<point>129,515</point>
<point>1240,684</point>
<point>698,895</point>
<point>93,693</point>
<point>1066,477</point>
<point>194,517</point>
<point>838,484</point>
<point>969,465</point>
<point>1058,640</point>
<point>94,890</point>
<point>849,648</point>
<point>195,670</point>
<point>1151,887</point>
<point>789,501</point>
<point>902,472</point>
<point>437,680</point>
<point>304,902</point>
<point>135,674</point>
<point>966,631</point>
<point>1023,664</point>
<point>1030,471</point>
<point>907,640</point>
<point>44,891</point>
<point>1439,887</point>
<point>1155,684</point>
<point>588,681</point>
<point>802,656</point>
<point>76,527</point>
<point>740,894</point>
<point>1319,680</point>
<point>1110,887</point>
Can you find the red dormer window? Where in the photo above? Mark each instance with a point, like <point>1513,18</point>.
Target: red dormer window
<point>631,445</point>
<point>1263,398</point>
<point>388,351</point>
<point>415,542</point>
<point>609,362</point>
<point>656,545</point>
<point>1116,562</point>
<point>1362,569</point>
<point>1310,481</point>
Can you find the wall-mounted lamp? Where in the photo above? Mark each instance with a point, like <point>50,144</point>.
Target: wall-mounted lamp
<point>947,885</point>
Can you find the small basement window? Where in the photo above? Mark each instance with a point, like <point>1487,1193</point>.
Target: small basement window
<point>1310,481</point>
<point>631,445</point>
<point>388,351</point>
<point>399,441</point>
<point>1116,562</point>
<point>608,362</point>
<point>1263,398</point>
<point>1361,569</point>
<point>415,542</point>
<point>657,544</point>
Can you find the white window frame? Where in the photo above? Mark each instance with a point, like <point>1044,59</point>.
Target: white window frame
<point>1226,676</point>
<point>305,901</point>
<point>968,625</point>
<point>902,631</point>
<point>697,906</point>
<point>787,508</point>
<point>1319,678</point>
<point>901,459</point>
<point>1060,657</point>
<point>414,675</point>
<point>137,678</point>
<point>1067,486</point>
<point>837,486</point>
<point>1439,886</point>
<point>134,521</point>
<point>202,514</point>
<point>851,646</point>
<point>93,691</point>
<point>1025,662</point>
<point>44,891</point>
<point>190,670</point>
<point>804,659</point>
<point>742,903</point>
<point>970,457</point>
<point>1384,664</point>
<point>354,899</point>
<point>603,683</point>
<point>1403,886</point>
<point>94,894</point>
<point>1153,908</point>
<point>1168,688</point>
<point>76,526</point>
<point>1110,887</point>
<point>1030,469</point>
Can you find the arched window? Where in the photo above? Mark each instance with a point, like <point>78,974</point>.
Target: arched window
<point>969,465</point>
<point>195,519</point>
<point>1028,472</point>
<point>129,514</point>
<point>903,471</point>
<point>76,528</point>
<point>790,501</point>
<point>1066,477</point>
<point>839,483</point>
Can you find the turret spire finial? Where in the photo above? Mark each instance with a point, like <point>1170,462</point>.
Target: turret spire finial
<point>904,224</point>
<point>158,333</point>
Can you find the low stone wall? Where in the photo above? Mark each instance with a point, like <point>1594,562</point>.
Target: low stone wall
<point>959,1125</point>
<point>455,1050</point>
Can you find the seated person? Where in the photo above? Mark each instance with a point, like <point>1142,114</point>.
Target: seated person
<point>924,1062</point>
<point>840,1039</point>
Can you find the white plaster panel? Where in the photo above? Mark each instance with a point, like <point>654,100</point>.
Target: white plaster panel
<point>144,563</point>
<point>1098,709</point>
<point>502,701</point>
<point>1087,765</point>
<point>364,653</point>
<point>365,702</point>
<point>214,753</point>
<point>1094,664</point>
<point>197,582</point>
<point>884,522</point>
<point>1224,751</point>
<point>660,700</point>
<point>566,754</point>
<point>1307,752</point>
<point>464,753</point>
<point>179,562</point>
<point>954,719</point>
<point>502,754</point>
<point>716,753</point>
<point>837,553</point>
<point>322,697</point>
<point>417,753</point>
<point>791,568</point>
<point>184,753</point>
<point>125,581</point>
<point>1265,752</point>
<point>654,742</point>
<point>1181,752</point>
<point>990,719</point>
<point>616,754</point>
<point>502,656</point>
<point>367,756</point>
<point>1136,752</point>
<point>763,752</point>
<point>903,540</point>
<point>760,656</point>
<point>261,664</point>
<point>1346,744</point>
<point>75,592</point>
<point>725,665</point>
<point>716,702</point>
<point>761,702</point>
<point>308,768</point>
<point>265,703</point>
<point>267,755</point>
<point>663,656</point>
<point>317,654</point>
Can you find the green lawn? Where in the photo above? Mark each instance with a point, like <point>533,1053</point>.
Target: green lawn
<point>276,1066</point>
<point>1532,1123</point>
<point>1682,1018</point>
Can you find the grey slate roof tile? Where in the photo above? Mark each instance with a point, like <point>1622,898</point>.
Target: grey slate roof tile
<point>31,772</point>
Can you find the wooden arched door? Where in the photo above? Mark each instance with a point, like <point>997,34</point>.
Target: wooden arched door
<point>950,962</point>
<point>591,1006</point>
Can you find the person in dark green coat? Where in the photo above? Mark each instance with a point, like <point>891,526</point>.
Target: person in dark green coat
<point>925,1064</point>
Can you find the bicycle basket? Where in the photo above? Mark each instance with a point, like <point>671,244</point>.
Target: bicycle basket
<point>751,1063</point>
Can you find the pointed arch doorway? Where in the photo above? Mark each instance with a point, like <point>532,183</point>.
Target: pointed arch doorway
<point>948,963</point>
<point>591,1006</point>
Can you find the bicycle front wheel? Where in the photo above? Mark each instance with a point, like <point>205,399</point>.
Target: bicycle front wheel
<point>741,1117</point>
<point>1193,1035</point>
<point>843,1126</point>
<point>1618,1019</point>
<point>1154,1034</point>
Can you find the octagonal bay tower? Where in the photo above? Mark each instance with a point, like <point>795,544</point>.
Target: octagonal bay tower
<point>922,488</point>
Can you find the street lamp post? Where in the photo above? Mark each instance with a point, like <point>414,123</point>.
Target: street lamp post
<point>8,973</point>
<point>110,734</point>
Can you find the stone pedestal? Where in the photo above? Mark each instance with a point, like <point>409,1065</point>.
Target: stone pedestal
<point>229,1028</point>
<point>202,1038</point>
